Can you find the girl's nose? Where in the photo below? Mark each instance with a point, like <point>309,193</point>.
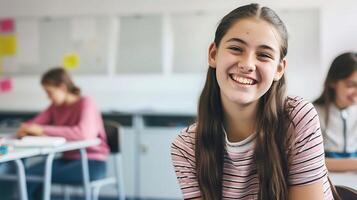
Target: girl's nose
<point>246,68</point>
<point>246,64</point>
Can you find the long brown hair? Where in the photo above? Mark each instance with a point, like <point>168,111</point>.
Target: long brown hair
<point>59,76</point>
<point>341,68</point>
<point>270,157</point>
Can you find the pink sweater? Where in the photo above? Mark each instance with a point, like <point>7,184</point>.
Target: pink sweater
<point>79,121</point>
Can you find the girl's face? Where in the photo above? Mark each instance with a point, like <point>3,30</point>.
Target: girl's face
<point>346,91</point>
<point>247,61</point>
<point>57,95</point>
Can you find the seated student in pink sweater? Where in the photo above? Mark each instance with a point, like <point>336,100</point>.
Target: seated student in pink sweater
<point>73,117</point>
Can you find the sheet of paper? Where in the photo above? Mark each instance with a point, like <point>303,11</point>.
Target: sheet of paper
<point>39,141</point>
<point>83,29</point>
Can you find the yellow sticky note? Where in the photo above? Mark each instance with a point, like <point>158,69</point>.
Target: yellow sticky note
<point>7,45</point>
<point>71,61</point>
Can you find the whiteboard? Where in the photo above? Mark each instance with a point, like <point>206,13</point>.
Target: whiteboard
<point>42,43</point>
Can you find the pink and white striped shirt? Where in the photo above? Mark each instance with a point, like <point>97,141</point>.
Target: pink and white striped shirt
<point>240,179</point>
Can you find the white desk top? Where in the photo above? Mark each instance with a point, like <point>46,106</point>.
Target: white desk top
<point>19,153</point>
<point>22,152</point>
<point>70,145</point>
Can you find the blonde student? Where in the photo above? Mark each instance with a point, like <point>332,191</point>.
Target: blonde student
<point>337,108</point>
<point>250,140</point>
<point>74,117</point>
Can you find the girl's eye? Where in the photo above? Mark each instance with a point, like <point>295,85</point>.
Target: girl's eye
<point>236,49</point>
<point>265,56</point>
<point>351,85</point>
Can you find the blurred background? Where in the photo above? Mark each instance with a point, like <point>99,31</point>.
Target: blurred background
<point>145,61</point>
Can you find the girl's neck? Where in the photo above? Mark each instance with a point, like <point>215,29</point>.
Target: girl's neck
<point>340,106</point>
<point>71,99</point>
<point>240,121</point>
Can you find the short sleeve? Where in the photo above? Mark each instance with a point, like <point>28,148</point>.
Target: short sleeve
<point>306,157</point>
<point>183,160</point>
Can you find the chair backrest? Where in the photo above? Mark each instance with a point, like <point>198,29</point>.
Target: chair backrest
<point>112,130</point>
<point>346,193</point>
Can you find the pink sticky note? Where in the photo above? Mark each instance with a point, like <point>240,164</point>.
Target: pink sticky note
<point>7,25</point>
<point>5,85</point>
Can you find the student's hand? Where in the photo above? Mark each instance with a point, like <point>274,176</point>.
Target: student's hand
<point>34,129</point>
<point>21,132</point>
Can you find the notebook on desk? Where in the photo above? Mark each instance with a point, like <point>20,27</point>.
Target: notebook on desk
<point>39,141</point>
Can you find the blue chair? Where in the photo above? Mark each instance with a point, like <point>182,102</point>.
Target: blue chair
<point>346,193</point>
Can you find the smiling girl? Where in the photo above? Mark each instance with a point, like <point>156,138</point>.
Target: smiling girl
<point>337,108</point>
<point>250,140</point>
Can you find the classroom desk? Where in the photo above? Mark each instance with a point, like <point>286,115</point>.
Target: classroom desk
<point>49,153</point>
<point>16,155</point>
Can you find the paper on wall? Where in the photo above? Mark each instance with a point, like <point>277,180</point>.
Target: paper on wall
<point>5,85</point>
<point>7,45</point>
<point>28,42</point>
<point>7,25</point>
<point>83,29</point>
<point>71,61</point>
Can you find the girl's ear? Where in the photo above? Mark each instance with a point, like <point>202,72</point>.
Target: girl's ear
<point>280,70</point>
<point>212,51</point>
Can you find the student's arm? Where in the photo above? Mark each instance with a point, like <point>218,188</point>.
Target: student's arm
<point>31,127</point>
<point>42,118</point>
<point>341,164</point>
<point>307,170</point>
<point>307,192</point>
<point>87,127</point>
<point>183,160</point>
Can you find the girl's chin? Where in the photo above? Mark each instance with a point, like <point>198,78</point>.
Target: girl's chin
<point>242,101</point>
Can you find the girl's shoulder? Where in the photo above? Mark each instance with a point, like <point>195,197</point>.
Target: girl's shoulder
<point>299,108</point>
<point>304,120</point>
<point>186,137</point>
<point>87,101</point>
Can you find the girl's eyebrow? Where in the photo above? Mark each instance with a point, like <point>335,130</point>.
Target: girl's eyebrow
<point>351,81</point>
<point>236,40</point>
<point>267,47</point>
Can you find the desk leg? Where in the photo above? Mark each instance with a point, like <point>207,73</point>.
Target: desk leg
<point>85,173</point>
<point>48,177</point>
<point>22,179</point>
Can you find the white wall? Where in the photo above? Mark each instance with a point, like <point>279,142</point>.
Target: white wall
<point>175,93</point>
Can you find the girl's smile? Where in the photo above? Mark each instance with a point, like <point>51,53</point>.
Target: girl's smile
<point>243,80</point>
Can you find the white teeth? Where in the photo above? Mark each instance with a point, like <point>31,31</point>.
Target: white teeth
<point>242,80</point>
